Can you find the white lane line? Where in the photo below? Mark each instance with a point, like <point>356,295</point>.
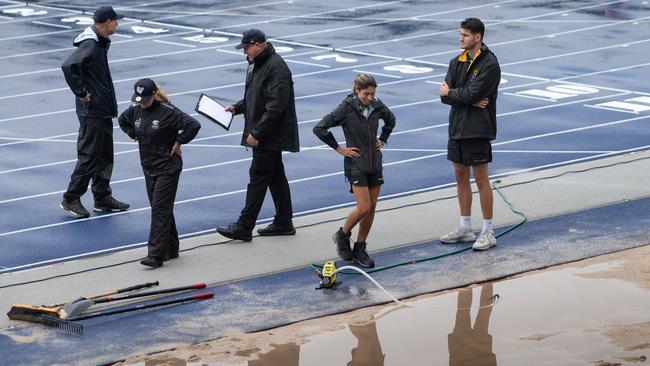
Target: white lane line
<point>620,45</point>
<point>38,139</point>
<point>345,28</point>
<point>327,208</point>
<point>398,162</point>
<point>500,151</point>
<point>301,62</point>
<point>378,73</point>
<point>140,39</point>
<point>52,25</point>
<point>175,43</point>
<point>170,73</point>
<point>616,69</point>
<point>123,35</point>
<point>455,30</point>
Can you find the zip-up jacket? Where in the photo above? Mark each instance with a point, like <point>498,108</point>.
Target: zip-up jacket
<point>86,70</point>
<point>157,129</point>
<point>268,106</point>
<point>359,131</point>
<point>469,82</point>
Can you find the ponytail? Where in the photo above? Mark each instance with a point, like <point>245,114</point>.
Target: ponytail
<point>161,96</point>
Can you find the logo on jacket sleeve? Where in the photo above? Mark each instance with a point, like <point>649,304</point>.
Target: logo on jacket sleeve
<point>137,123</point>
<point>155,124</point>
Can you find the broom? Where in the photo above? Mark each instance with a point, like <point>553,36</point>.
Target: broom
<point>69,325</point>
<point>34,314</point>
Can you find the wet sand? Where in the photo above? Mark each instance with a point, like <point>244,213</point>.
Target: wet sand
<point>591,312</point>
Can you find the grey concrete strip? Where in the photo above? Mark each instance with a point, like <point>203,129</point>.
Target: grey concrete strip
<point>400,221</point>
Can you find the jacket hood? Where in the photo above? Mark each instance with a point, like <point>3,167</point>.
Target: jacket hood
<point>88,33</point>
<point>352,100</point>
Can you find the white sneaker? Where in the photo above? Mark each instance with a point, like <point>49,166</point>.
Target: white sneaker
<point>459,235</point>
<point>485,241</point>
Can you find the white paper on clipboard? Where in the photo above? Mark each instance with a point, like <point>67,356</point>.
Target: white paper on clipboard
<point>214,111</point>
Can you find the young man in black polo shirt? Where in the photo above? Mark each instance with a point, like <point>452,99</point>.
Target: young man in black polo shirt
<point>470,87</point>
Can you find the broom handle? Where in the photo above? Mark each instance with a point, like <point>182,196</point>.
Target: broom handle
<point>113,292</point>
<point>96,314</point>
<point>149,293</point>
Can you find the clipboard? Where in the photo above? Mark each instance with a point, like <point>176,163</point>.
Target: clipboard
<point>214,111</point>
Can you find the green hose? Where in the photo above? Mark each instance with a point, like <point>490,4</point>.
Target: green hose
<point>524,218</point>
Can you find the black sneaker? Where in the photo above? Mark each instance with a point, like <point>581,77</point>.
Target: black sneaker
<point>342,242</point>
<point>151,262</point>
<point>361,257</point>
<point>169,256</point>
<point>109,203</point>
<point>236,231</point>
<point>75,208</point>
<point>274,229</point>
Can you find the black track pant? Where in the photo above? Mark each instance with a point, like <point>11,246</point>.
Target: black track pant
<point>267,171</point>
<point>163,237</point>
<point>94,159</point>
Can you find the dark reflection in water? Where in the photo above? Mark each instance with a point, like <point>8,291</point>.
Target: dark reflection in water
<point>467,345</point>
<point>287,354</point>
<point>368,351</point>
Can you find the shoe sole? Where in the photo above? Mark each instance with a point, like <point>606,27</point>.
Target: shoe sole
<point>277,233</point>
<point>458,241</point>
<point>100,209</point>
<point>234,237</point>
<point>484,248</point>
<point>74,214</point>
<point>336,243</point>
<point>151,266</point>
<point>363,265</point>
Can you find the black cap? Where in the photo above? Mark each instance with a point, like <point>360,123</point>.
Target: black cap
<point>144,90</point>
<point>104,13</point>
<point>251,36</point>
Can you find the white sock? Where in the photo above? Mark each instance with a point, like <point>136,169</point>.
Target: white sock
<point>487,226</point>
<point>466,223</point>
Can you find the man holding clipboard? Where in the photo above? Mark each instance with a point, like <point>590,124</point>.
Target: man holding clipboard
<point>271,126</point>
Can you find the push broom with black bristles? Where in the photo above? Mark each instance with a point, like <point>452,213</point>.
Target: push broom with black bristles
<point>70,326</point>
<point>34,314</point>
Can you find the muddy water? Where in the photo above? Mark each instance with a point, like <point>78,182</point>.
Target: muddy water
<point>582,315</point>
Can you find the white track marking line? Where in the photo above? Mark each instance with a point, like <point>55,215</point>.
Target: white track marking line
<point>175,43</point>
<point>399,162</point>
<point>52,25</point>
<point>327,208</point>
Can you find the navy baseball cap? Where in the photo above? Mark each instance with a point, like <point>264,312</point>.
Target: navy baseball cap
<point>144,89</point>
<point>104,13</point>
<point>251,36</point>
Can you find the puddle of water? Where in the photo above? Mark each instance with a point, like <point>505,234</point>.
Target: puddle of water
<point>559,317</point>
<point>549,318</point>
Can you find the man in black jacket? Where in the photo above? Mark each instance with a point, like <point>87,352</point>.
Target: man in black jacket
<point>270,127</point>
<point>470,87</point>
<point>86,72</point>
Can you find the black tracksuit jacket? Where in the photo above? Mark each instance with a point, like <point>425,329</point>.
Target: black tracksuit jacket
<point>360,132</point>
<point>157,129</point>
<point>86,70</point>
<point>469,83</point>
<point>269,106</point>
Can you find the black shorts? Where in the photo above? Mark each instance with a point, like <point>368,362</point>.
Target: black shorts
<point>365,180</point>
<point>469,152</point>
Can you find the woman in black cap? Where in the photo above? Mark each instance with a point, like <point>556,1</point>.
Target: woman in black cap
<point>359,115</point>
<point>156,124</point>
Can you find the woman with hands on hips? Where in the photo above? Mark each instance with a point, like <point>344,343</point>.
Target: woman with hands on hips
<point>359,114</point>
